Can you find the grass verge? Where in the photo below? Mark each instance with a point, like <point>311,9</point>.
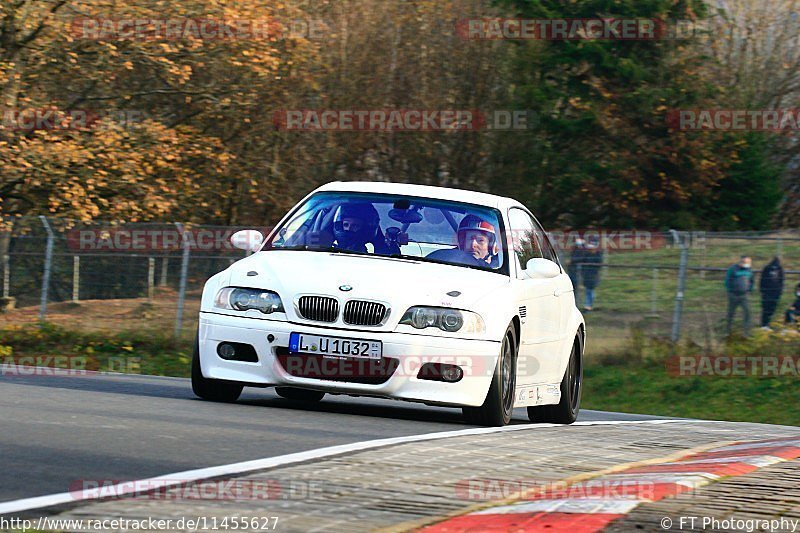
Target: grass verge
<point>651,390</point>
<point>141,352</point>
<point>643,377</point>
<point>634,379</point>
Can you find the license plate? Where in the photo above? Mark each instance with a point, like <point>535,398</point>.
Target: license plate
<point>337,346</point>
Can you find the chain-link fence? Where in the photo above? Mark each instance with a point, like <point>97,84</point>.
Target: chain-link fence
<point>109,277</point>
<point>674,287</point>
<point>145,276</point>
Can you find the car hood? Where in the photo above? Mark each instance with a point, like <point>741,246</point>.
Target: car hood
<point>396,281</point>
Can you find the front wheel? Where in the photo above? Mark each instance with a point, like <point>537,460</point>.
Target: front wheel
<point>215,390</point>
<point>499,404</point>
<point>566,411</point>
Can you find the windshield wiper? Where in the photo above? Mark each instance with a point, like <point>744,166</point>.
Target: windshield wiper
<point>334,250</point>
<point>309,248</point>
<point>404,256</point>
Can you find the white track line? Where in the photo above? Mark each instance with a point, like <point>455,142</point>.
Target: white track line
<point>180,478</point>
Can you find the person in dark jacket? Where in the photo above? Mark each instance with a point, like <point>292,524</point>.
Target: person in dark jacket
<point>354,225</point>
<point>739,283</point>
<point>590,270</point>
<point>575,267</point>
<point>771,287</point>
<point>793,313</point>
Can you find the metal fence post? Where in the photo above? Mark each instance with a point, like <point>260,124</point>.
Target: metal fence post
<point>184,272</point>
<point>164,266</point>
<point>6,277</point>
<point>76,277</point>
<point>7,302</point>
<point>151,278</point>
<point>48,263</point>
<point>654,296</point>
<point>680,238</point>
<point>703,272</point>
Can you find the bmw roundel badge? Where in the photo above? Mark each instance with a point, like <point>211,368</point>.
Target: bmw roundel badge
<point>345,288</point>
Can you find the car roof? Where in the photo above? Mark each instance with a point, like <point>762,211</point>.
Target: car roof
<point>425,191</point>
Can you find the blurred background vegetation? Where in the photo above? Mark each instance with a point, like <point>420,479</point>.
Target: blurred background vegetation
<point>599,152</point>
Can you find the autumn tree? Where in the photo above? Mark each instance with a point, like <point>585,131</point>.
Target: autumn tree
<point>753,53</point>
<point>603,152</point>
<point>196,103</point>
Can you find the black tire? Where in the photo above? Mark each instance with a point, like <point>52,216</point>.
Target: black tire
<point>566,411</point>
<point>299,395</point>
<point>499,404</point>
<point>215,390</point>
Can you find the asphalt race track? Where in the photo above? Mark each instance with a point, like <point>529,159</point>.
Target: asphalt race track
<point>56,431</point>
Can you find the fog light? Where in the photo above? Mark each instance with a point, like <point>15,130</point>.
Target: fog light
<point>226,351</point>
<point>452,373</point>
<point>440,372</point>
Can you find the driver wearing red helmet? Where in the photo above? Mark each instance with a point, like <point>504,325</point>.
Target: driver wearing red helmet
<point>477,244</point>
<point>477,238</point>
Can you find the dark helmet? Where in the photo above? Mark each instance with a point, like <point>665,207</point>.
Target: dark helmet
<point>472,222</point>
<point>368,217</point>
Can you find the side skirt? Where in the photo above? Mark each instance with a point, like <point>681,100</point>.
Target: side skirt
<point>533,395</point>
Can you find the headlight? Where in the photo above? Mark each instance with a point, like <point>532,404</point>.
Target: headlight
<point>450,320</point>
<point>245,299</point>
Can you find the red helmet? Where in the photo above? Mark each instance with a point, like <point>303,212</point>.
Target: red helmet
<point>474,223</point>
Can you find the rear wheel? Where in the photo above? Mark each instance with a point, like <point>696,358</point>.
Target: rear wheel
<point>499,404</point>
<point>215,390</point>
<point>299,395</point>
<point>566,411</point>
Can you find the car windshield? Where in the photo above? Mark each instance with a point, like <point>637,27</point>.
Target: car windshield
<point>386,225</point>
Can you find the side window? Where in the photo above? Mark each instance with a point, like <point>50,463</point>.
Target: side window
<point>547,249</point>
<point>523,236</point>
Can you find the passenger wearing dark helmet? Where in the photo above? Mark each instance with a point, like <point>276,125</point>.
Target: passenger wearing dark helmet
<point>354,225</point>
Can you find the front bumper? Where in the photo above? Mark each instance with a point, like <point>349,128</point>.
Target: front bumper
<point>477,358</point>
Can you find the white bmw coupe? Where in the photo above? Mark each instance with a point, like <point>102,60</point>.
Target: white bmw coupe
<point>426,294</point>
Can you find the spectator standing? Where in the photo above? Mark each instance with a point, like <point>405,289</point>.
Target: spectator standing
<point>771,287</point>
<point>590,270</point>
<point>739,283</point>
<point>793,312</point>
<point>575,267</point>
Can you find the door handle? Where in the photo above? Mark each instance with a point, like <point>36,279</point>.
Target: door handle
<point>559,292</point>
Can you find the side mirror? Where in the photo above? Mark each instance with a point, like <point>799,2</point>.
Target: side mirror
<point>247,239</point>
<point>539,268</point>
